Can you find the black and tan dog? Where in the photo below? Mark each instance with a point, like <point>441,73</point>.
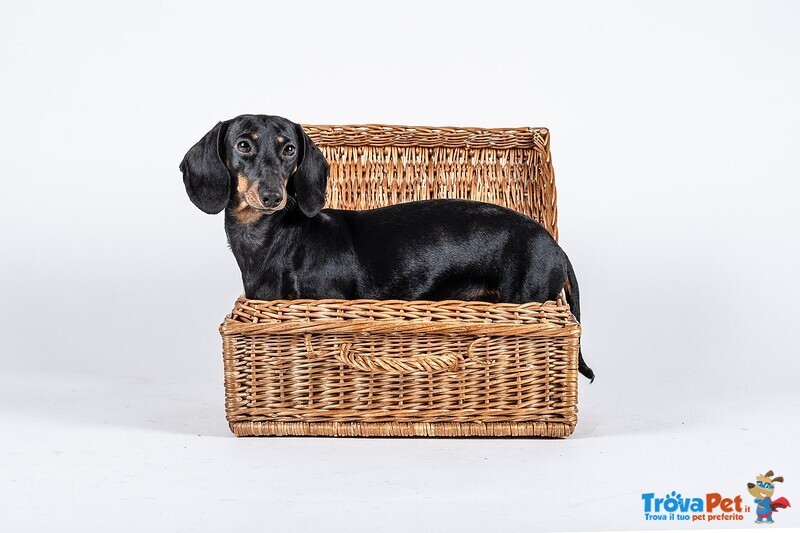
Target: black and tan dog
<point>271,180</point>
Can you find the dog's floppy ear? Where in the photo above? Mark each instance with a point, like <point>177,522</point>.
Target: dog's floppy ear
<point>311,177</point>
<point>205,176</point>
<point>778,479</point>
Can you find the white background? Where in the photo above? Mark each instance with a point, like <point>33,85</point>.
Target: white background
<point>675,134</point>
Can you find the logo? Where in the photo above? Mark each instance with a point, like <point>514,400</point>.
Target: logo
<point>711,507</point>
<point>762,490</point>
<point>716,506</point>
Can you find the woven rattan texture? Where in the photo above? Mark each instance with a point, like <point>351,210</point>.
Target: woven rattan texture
<point>396,368</point>
<point>374,166</point>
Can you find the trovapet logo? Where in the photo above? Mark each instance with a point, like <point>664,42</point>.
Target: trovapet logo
<point>716,506</point>
<point>713,506</point>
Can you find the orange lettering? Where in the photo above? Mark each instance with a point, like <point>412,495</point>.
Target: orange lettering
<point>712,500</point>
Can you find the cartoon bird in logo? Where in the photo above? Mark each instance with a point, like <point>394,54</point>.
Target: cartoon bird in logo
<point>762,491</point>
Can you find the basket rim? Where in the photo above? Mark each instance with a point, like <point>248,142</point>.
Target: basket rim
<point>471,129</point>
<point>336,316</point>
<point>388,135</point>
<point>328,304</point>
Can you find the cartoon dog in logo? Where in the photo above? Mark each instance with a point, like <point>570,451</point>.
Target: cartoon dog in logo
<point>762,491</point>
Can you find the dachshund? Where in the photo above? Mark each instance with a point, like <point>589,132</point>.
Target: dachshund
<point>271,180</point>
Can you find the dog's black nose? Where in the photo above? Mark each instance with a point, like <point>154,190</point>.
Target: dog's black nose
<point>271,198</point>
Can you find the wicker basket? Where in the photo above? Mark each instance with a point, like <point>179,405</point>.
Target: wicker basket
<point>398,368</point>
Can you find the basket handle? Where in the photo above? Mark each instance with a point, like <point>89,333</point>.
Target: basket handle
<point>442,362</point>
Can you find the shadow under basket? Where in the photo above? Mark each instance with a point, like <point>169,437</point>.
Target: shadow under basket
<point>398,368</point>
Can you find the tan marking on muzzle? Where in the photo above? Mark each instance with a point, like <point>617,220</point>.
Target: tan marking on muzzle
<point>246,214</point>
<point>241,183</point>
<point>248,203</point>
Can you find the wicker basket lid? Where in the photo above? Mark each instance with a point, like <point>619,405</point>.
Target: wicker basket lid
<point>378,165</point>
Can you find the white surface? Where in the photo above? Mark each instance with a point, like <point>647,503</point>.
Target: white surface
<point>675,134</point>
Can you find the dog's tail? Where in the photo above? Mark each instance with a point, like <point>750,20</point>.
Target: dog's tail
<point>573,295</point>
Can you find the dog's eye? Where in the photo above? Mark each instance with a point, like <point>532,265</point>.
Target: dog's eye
<point>289,150</point>
<point>244,146</point>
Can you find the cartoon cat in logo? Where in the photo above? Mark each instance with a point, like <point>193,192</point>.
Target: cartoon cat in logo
<point>762,490</point>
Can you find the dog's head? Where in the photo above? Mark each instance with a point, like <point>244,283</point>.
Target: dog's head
<point>255,164</point>
<point>764,487</point>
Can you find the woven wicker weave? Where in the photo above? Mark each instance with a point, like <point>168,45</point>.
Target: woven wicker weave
<point>398,368</point>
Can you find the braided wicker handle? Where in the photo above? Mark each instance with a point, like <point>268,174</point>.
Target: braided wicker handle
<point>442,362</point>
